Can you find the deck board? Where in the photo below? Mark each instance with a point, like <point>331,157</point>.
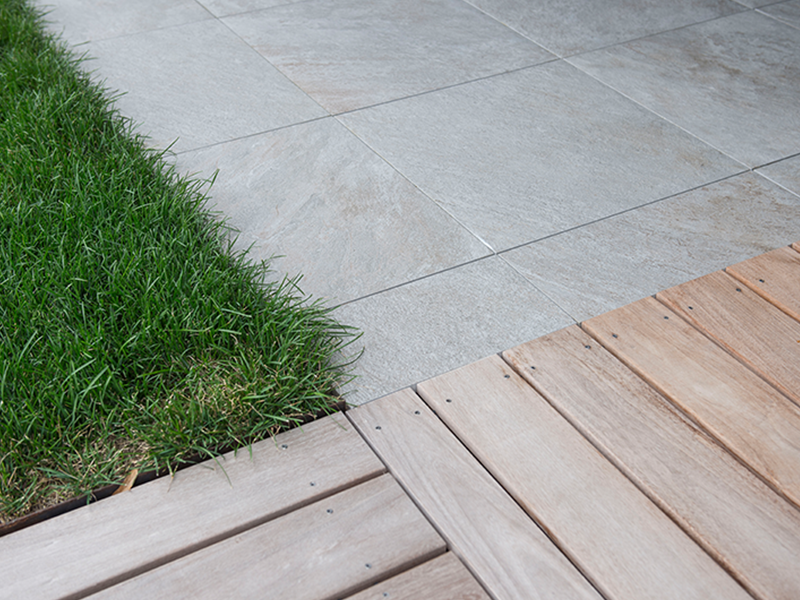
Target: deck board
<point>106,542</point>
<point>775,276</point>
<point>740,409</point>
<point>757,332</point>
<point>623,542</point>
<point>443,578</point>
<point>482,524</point>
<point>737,518</point>
<point>325,550</point>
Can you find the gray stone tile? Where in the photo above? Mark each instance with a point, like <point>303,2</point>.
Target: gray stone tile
<point>431,326</point>
<point>529,154</point>
<point>788,12</point>
<point>340,215</point>
<point>570,26</point>
<point>348,54</point>
<point>198,83</point>
<point>90,20</point>
<point>605,265</point>
<point>224,8</point>
<point>734,82</point>
<point>785,173</point>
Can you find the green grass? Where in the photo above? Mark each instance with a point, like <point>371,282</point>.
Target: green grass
<point>131,335</point>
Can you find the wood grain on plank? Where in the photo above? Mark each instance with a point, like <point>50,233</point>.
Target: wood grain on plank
<point>775,276</point>
<point>325,550</point>
<point>737,518</point>
<point>443,578</point>
<point>106,542</point>
<point>796,246</point>
<point>623,542</point>
<point>482,524</point>
<point>741,410</point>
<point>760,334</point>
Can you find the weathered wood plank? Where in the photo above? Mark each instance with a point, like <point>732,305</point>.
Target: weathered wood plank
<point>443,578</point>
<point>775,276</point>
<point>104,543</point>
<point>624,544</point>
<point>741,410</point>
<point>737,518</point>
<point>748,326</point>
<point>326,550</point>
<point>482,524</point>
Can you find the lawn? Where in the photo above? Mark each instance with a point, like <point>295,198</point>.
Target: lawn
<point>131,334</point>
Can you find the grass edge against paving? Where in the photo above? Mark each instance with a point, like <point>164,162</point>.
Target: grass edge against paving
<point>131,335</point>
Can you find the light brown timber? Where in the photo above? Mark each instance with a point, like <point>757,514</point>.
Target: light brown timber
<point>775,276</point>
<point>734,515</point>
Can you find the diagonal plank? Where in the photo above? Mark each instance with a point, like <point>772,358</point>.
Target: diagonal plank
<point>443,578</point>
<point>494,537</point>
<point>741,410</point>
<point>325,550</point>
<point>775,276</point>
<point>750,530</point>
<point>106,542</point>
<point>624,544</point>
<point>748,326</point>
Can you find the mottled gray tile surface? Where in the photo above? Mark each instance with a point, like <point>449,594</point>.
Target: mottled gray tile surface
<point>528,154</point>
<point>431,326</point>
<point>199,84</point>
<point>788,12</point>
<point>608,264</point>
<point>223,8</point>
<point>785,172</point>
<point>734,82</point>
<point>91,20</point>
<point>571,26</point>
<point>341,216</point>
<point>348,54</point>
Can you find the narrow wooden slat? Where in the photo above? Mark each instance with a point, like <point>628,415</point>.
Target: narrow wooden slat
<point>629,548</point>
<point>443,578</point>
<point>325,550</point>
<point>775,276</point>
<point>749,327</point>
<point>106,542</point>
<point>482,524</point>
<point>753,532</point>
<point>741,410</point>
<point>796,246</point>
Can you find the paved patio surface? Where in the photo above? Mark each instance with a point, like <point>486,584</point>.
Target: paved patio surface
<point>459,178</point>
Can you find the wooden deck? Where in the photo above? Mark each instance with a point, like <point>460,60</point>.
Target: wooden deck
<point>653,452</point>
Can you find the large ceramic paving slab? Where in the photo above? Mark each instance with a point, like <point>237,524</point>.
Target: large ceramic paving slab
<point>619,539</point>
<point>337,212</point>
<point>748,326</point>
<point>788,12</point>
<point>528,154</point>
<point>91,20</point>
<point>109,541</point>
<point>223,8</point>
<point>199,84</point>
<point>481,523</point>
<point>739,520</point>
<point>436,324</point>
<point>605,265</point>
<point>774,276</point>
<point>572,26</point>
<point>785,173</point>
<point>347,54</point>
<point>733,82</point>
<point>747,415</point>
<point>325,550</point>
<point>443,578</point>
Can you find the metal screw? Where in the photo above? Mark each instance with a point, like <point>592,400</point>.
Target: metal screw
<point>416,412</point>
<point>532,367</point>
<point>614,335</point>
<point>507,376</point>
<point>588,347</point>
<point>377,426</point>
<point>369,566</point>
<point>738,289</point>
<point>666,317</point>
<point>448,400</point>
<point>330,511</point>
<point>313,484</point>
<point>761,281</point>
<point>691,308</point>
<point>284,446</point>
